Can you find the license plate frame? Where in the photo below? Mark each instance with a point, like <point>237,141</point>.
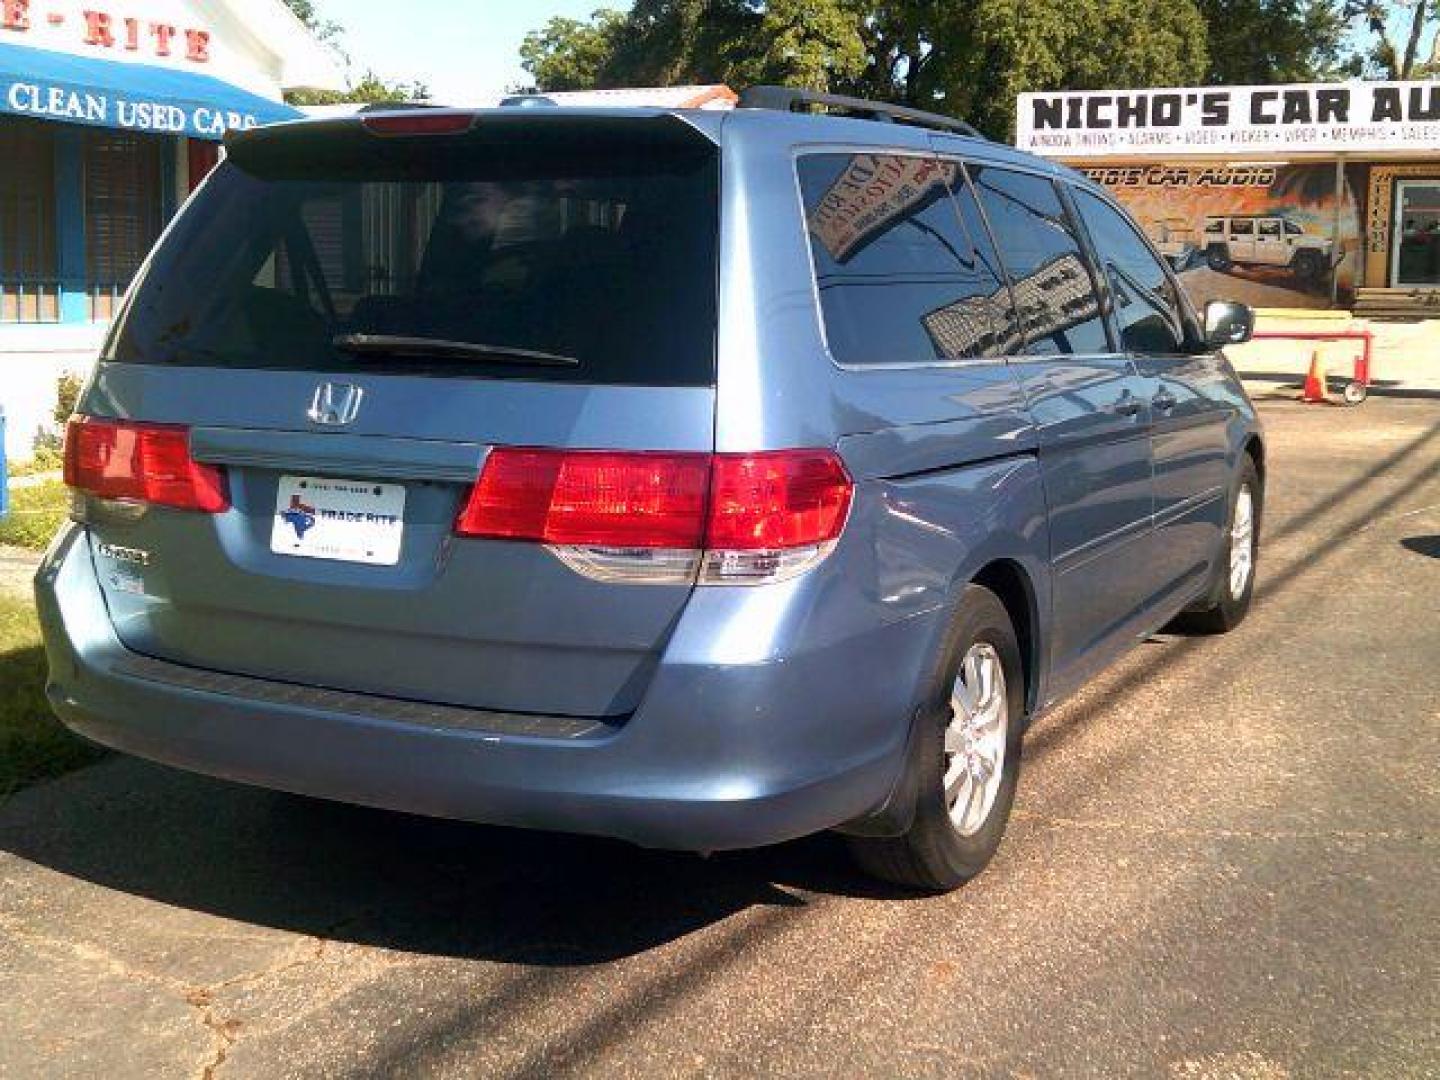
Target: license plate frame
<point>339,520</point>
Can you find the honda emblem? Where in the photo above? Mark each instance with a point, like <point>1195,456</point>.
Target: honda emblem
<point>335,404</point>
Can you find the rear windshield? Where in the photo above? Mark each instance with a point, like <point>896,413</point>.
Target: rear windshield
<point>573,259</point>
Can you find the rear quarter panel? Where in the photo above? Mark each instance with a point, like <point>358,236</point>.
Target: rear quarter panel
<point>943,455</point>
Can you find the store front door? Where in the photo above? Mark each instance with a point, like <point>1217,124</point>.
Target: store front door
<point>1415,260</point>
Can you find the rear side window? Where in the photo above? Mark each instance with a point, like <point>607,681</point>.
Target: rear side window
<point>1050,276</point>
<point>1147,308</point>
<point>903,278</point>
<point>1242,228</point>
<point>597,252</point>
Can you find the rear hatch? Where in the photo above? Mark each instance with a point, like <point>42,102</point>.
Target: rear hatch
<point>346,321</point>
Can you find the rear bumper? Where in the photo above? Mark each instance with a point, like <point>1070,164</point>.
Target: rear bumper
<point>733,746</point>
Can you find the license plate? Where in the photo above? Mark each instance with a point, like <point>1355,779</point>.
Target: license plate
<point>345,520</point>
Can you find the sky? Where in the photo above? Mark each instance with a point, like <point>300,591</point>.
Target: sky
<point>461,49</point>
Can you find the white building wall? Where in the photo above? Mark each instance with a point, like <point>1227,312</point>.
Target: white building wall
<point>32,359</point>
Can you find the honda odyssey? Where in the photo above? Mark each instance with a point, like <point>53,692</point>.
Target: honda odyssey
<point>701,479</point>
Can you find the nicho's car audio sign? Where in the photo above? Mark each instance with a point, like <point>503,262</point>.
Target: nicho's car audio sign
<point>1360,117</point>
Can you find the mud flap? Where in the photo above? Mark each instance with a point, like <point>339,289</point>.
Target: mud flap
<point>896,814</point>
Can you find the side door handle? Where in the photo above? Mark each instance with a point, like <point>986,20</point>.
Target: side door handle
<point>1164,401</point>
<point>1126,405</point>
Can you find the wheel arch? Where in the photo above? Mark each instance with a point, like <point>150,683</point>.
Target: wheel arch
<point>1010,582</point>
<point>1254,446</point>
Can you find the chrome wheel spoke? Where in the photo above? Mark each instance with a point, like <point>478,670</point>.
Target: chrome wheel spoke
<point>974,742</point>
<point>971,797</point>
<point>961,780</point>
<point>1242,543</point>
<point>988,754</point>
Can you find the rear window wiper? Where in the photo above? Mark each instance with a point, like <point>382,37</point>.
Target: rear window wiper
<point>401,345</point>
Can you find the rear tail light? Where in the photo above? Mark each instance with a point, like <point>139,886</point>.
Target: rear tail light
<point>659,517</point>
<point>143,463</point>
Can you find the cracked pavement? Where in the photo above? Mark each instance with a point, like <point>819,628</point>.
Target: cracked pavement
<point>1223,863</point>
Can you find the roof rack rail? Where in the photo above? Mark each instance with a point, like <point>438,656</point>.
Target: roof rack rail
<point>786,98</point>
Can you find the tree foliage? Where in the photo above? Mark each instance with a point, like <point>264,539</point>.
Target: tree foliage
<point>811,43</point>
<point>996,49</point>
<point>369,89</point>
<point>970,58</point>
<point>1264,41</point>
<point>571,54</point>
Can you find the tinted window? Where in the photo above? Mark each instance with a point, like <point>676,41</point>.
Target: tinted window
<point>1242,228</point>
<point>1214,226</point>
<point>1038,244</point>
<point>601,252</point>
<point>902,277</point>
<point>1269,228</point>
<point>1293,229</point>
<point>1147,310</point>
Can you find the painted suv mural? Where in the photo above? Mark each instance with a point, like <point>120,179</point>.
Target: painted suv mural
<point>1261,240</point>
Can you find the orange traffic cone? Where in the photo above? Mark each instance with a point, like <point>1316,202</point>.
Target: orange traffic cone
<point>1315,392</point>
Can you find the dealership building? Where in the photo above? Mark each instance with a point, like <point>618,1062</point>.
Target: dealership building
<point>111,111</point>
<point>1317,203</point>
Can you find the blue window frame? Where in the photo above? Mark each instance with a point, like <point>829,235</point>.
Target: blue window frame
<point>29,237</point>
<point>79,210</point>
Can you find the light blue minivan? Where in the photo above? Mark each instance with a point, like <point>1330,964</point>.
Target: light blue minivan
<point>702,479</point>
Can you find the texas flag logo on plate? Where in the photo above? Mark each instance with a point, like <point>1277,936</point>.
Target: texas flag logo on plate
<point>344,520</point>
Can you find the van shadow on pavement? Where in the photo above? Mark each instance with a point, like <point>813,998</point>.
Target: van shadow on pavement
<point>394,881</point>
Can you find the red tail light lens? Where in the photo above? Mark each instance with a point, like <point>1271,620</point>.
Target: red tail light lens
<point>418,123</point>
<point>734,502</point>
<point>784,499</point>
<point>149,463</point>
<point>590,497</point>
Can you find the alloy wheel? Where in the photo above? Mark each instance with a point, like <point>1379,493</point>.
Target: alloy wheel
<point>1242,543</point>
<point>975,738</point>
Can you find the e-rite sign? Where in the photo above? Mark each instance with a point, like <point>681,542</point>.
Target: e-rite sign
<point>137,65</point>
<point>99,28</point>
<point>1331,118</point>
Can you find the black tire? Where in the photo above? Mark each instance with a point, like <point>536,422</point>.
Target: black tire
<point>932,855</point>
<point>1307,266</point>
<point>1217,258</point>
<point>1222,610</point>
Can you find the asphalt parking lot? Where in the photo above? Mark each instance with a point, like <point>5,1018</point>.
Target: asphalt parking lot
<point>1225,862</point>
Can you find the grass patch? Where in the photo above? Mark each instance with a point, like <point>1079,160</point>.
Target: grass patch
<point>46,459</point>
<point>33,744</point>
<point>36,513</point>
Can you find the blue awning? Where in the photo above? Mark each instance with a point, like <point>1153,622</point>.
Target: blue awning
<point>134,97</point>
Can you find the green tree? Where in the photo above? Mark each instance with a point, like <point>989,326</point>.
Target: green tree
<point>666,42</point>
<point>1266,41</point>
<point>567,54</point>
<point>966,58</point>
<point>369,89</point>
<point>1011,46</point>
